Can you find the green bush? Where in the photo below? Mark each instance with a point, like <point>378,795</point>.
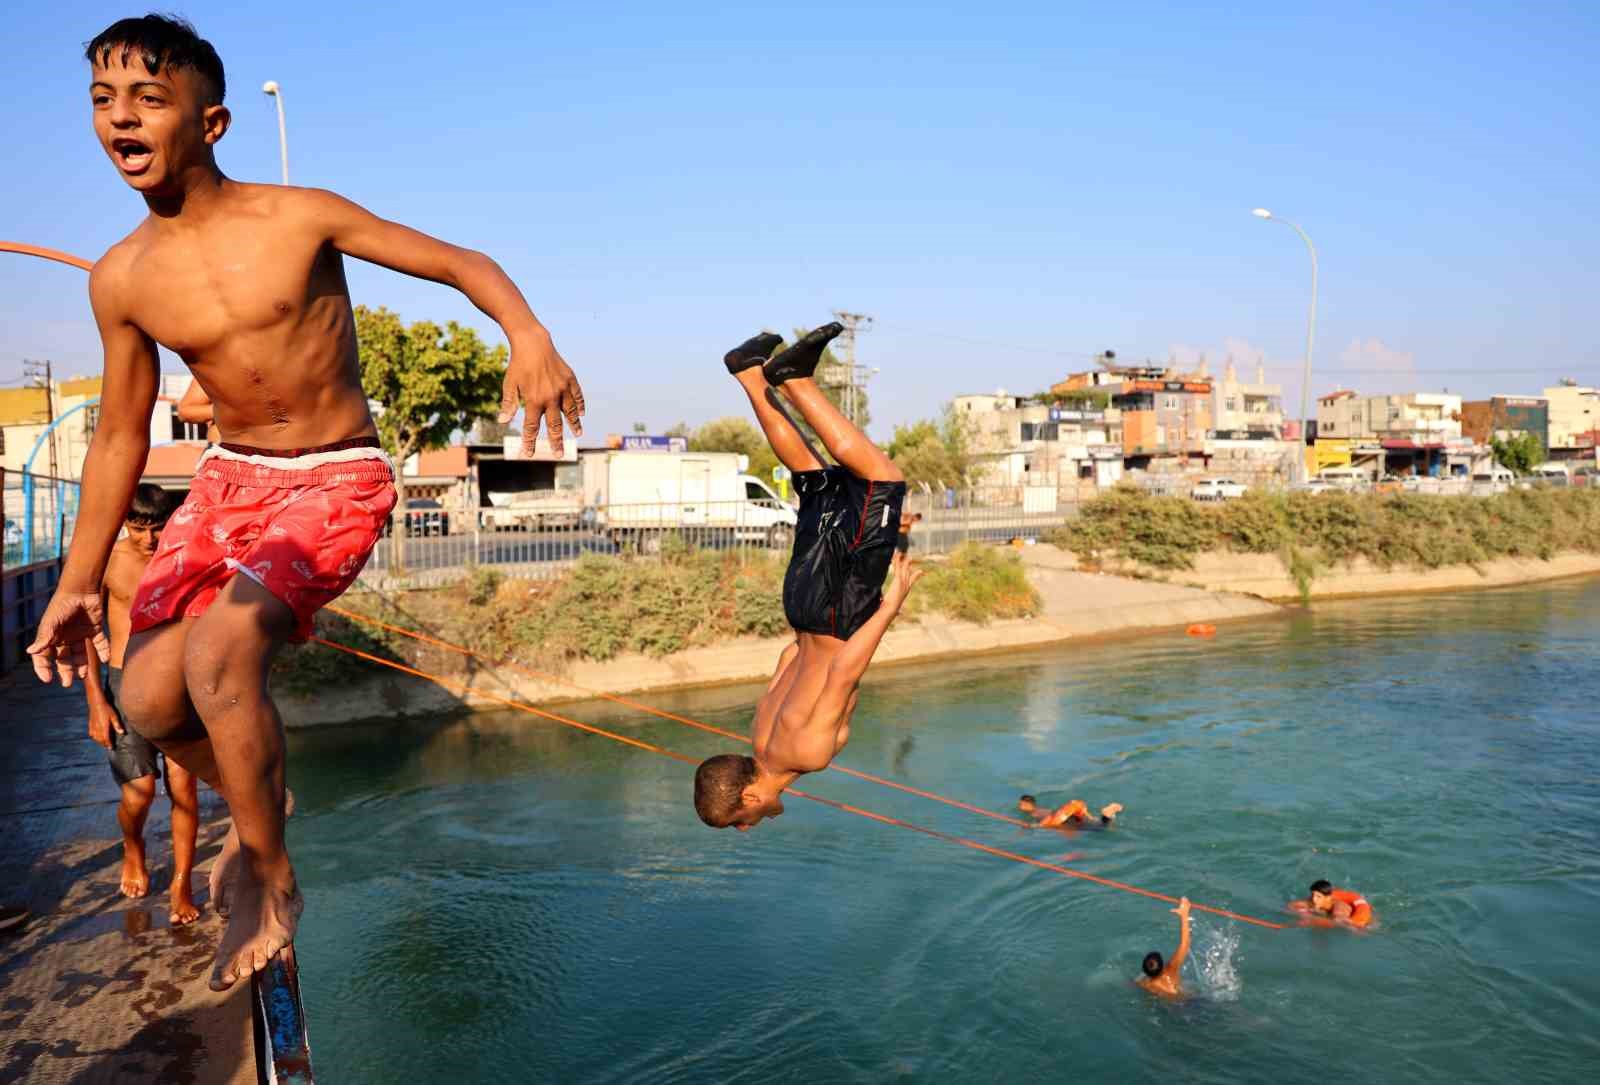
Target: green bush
<point>1312,531</point>
<point>977,584</point>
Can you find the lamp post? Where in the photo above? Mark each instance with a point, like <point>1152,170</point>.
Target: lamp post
<point>1311,330</point>
<point>275,92</point>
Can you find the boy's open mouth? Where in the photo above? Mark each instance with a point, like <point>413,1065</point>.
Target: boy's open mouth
<point>131,155</point>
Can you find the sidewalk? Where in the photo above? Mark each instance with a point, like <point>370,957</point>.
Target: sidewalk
<point>99,988</point>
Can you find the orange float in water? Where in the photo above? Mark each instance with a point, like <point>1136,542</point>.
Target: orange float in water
<point>1201,629</point>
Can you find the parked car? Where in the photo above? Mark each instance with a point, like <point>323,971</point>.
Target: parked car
<point>1389,484</point>
<point>1217,489</point>
<point>425,516</point>
<point>1316,486</point>
<point>1345,478</point>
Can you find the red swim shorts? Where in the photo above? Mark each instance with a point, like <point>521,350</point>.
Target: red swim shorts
<point>301,528</point>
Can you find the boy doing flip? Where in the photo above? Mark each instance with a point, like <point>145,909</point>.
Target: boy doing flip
<point>246,284</point>
<point>833,593</point>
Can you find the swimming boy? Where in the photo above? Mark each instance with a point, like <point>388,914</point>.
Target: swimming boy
<point>1165,978</point>
<point>1074,814</point>
<point>1328,906</point>
<point>246,283</point>
<point>833,593</point>
<point>135,763</point>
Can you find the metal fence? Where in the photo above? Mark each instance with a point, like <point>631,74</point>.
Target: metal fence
<point>439,549</point>
<point>39,515</point>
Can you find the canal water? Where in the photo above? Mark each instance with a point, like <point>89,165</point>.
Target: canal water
<point>504,899</point>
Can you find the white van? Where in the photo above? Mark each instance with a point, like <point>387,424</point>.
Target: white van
<point>1552,474</point>
<point>1346,478</point>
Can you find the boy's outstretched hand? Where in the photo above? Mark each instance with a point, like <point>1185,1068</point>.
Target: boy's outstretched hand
<point>904,573</point>
<point>539,379</point>
<point>69,620</point>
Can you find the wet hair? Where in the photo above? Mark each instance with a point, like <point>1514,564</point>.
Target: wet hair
<point>719,785</point>
<point>1153,964</point>
<point>151,505</point>
<point>161,41</point>
<point>1028,798</point>
<point>1321,885</point>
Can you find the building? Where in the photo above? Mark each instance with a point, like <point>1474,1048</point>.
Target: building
<point>1019,442</point>
<point>1242,411</point>
<point>1165,421</point>
<point>1574,421</point>
<point>1505,417</point>
<point>25,416</point>
<point>1415,433</point>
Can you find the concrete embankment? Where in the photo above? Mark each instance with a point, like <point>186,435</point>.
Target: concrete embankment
<point>1076,604</point>
<point>1221,587</point>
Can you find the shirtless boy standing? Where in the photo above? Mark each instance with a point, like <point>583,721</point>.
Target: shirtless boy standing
<point>135,763</point>
<point>833,592</point>
<point>245,283</point>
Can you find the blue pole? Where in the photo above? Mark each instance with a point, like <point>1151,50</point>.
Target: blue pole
<point>27,480</point>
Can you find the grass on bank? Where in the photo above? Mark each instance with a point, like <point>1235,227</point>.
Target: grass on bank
<point>605,606</point>
<point>1315,531</point>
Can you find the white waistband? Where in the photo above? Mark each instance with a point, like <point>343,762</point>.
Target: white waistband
<point>296,463</point>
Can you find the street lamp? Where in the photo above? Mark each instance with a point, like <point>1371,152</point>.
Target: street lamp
<point>271,88</point>
<point>1311,329</point>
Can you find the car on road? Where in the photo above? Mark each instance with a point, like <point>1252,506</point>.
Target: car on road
<point>425,516</point>
<point>1217,489</point>
<point>1315,486</point>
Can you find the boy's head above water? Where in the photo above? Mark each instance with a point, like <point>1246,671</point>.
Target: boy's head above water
<point>1027,804</point>
<point>1153,964</point>
<point>728,791</point>
<point>152,507</point>
<point>157,90</point>
<point>1321,895</point>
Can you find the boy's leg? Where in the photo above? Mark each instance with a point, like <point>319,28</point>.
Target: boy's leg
<point>225,667</point>
<point>155,699</point>
<point>844,442</point>
<point>137,795</point>
<point>183,788</point>
<point>790,445</point>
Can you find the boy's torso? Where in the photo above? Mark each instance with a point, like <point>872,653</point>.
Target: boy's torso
<point>123,571</point>
<point>789,732</point>
<point>254,300</point>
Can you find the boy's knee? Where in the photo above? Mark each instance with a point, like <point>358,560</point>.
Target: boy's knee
<point>152,709</point>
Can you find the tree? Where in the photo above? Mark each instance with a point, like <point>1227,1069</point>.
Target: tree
<point>429,384</point>
<point>735,434</point>
<point>935,452</point>
<point>1521,453</point>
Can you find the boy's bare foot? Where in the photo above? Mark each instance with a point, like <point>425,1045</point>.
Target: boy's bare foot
<point>262,920</point>
<point>135,877</point>
<point>181,906</point>
<point>1111,811</point>
<point>222,872</point>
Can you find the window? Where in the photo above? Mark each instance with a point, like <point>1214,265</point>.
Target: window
<point>1027,431</point>
<point>186,431</point>
<point>1170,402</point>
<point>1231,403</point>
<point>754,492</point>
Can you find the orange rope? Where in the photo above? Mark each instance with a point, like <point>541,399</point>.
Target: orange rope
<point>860,811</point>
<point>46,254</point>
<point>857,773</point>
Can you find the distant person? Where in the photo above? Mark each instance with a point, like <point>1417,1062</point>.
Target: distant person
<point>1328,906</point>
<point>1164,978</point>
<point>834,594</point>
<point>195,407</point>
<point>135,763</point>
<point>1074,814</point>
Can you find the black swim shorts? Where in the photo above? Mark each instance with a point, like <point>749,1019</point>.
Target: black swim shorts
<point>131,756</point>
<point>842,547</point>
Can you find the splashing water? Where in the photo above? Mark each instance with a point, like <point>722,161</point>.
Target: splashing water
<point>1217,959</point>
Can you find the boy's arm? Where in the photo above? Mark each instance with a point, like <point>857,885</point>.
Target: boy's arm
<point>195,406</point>
<point>110,472</point>
<point>538,375</point>
<point>845,672</point>
<point>1174,965</point>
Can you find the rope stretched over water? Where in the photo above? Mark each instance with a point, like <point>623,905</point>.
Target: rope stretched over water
<point>450,683</point>
<point>46,254</point>
<point>663,713</point>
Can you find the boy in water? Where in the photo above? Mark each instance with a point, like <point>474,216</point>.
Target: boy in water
<point>1326,906</point>
<point>135,764</point>
<point>833,592</point>
<point>246,283</point>
<point>1074,814</point>
<point>1165,978</point>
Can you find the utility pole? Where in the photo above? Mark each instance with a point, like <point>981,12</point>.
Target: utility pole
<point>40,375</point>
<point>846,351</point>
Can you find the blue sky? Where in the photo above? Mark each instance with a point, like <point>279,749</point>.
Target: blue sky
<point>1007,188</point>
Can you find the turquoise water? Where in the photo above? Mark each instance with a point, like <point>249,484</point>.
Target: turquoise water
<point>508,900</point>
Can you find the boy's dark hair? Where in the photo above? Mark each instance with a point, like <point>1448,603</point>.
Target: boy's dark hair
<point>719,785</point>
<point>151,505</point>
<point>161,41</point>
<point>1321,885</point>
<point>1029,798</point>
<point>1153,964</point>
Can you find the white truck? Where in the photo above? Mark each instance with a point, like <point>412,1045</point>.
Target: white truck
<point>637,498</point>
